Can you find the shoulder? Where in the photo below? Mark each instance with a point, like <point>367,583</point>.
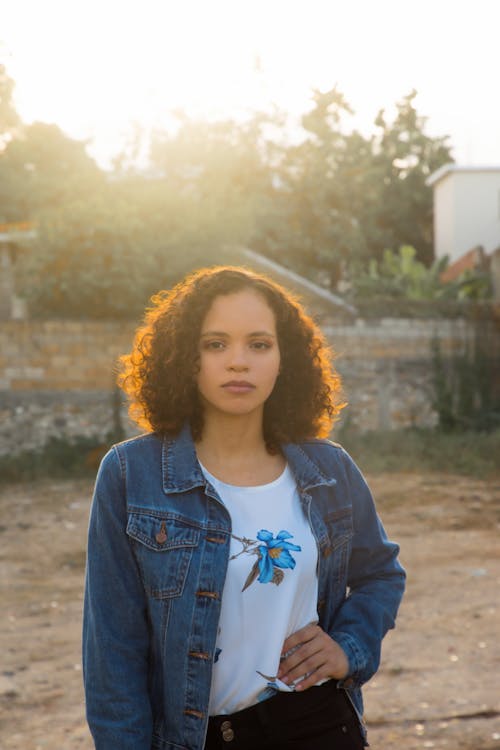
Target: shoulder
<point>321,444</point>
<point>141,448</point>
<point>332,459</point>
<point>322,449</point>
<point>139,441</point>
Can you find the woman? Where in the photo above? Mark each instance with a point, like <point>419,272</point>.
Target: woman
<point>239,582</point>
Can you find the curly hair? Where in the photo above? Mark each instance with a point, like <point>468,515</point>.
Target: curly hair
<point>159,375</point>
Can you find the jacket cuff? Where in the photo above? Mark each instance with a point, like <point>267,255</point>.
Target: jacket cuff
<point>356,657</point>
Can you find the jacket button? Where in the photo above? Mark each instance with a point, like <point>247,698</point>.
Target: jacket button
<point>161,536</point>
<point>349,683</point>
<point>227,732</point>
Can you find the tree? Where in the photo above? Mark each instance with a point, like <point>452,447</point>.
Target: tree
<point>221,172</point>
<point>90,259</point>
<point>318,194</point>
<point>41,168</point>
<point>104,256</point>
<point>399,208</point>
<point>341,199</point>
<point>9,118</point>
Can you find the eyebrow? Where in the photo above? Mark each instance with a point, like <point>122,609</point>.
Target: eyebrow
<point>250,335</point>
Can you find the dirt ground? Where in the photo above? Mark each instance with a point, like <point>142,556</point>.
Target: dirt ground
<point>439,686</point>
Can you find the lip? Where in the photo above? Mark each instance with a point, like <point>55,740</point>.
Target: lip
<point>238,386</point>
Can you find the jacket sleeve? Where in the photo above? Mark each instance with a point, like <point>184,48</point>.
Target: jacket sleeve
<point>376,582</point>
<point>115,630</point>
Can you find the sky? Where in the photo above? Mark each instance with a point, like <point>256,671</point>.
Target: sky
<point>98,67</point>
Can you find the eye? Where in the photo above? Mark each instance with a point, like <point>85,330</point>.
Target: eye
<point>261,345</point>
<point>213,345</point>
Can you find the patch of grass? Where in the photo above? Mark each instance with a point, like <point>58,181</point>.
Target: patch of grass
<point>59,458</point>
<point>473,454</point>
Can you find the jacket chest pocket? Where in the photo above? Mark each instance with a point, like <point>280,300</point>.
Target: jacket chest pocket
<point>163,548</point>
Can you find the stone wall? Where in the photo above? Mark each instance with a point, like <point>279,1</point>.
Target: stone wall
<point>386,366</point>
<point>57,377</point>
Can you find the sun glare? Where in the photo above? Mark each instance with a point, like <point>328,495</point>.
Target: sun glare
<point>95,68</point>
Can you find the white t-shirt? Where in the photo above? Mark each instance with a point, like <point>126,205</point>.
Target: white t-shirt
<point>271,589</point>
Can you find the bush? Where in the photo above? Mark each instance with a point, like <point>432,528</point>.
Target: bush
<point>424,450</point>
<point>401,277</point>
<point>59,458</point>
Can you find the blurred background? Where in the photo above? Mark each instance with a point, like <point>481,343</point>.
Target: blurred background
<point>352,151</point>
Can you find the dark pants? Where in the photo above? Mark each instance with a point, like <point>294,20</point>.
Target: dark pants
<point>320,718</point>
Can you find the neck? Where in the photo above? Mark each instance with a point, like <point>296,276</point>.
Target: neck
<point>227,438</point>
<point>234,451</point>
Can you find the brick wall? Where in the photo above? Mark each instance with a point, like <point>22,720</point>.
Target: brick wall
<point>60,355</point>
<point>57,377</point>
<point>386,367</point>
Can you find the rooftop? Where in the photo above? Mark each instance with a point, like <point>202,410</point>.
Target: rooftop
<point>447,169</point>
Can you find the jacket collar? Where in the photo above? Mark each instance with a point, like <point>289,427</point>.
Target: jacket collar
<point>181,470</point>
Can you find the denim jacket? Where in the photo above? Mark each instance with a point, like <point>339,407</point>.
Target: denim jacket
<point>158,550</point>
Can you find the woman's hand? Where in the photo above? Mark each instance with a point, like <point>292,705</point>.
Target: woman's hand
<point>315,654</point>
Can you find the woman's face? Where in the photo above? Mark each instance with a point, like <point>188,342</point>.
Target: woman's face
<point>239,354</point>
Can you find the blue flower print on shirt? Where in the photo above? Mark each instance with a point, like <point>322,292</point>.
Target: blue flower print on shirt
<point>275,553</point>
<point>273,556</point>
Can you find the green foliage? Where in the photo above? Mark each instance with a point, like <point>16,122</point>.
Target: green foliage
<point>472,284</point>
<point>87,262</point>
<point>64,457</point>
<point>60,458</point>
<point>341,199</point>
<point>400,276</point>
<point>9,118</point>
<point>42,169</point>
<point>105,257</point>
<point>313,218</point>
<point>399,200</point>
<point>417,450</point>
<point>220,171</point>
<point>467,453</point>
<point>465,384</point>
<point>325,206</point>
<point>104,246</point>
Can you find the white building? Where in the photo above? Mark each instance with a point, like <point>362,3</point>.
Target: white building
<point>466,209</point>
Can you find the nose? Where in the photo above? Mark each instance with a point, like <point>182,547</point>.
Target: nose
<point>237,361</point>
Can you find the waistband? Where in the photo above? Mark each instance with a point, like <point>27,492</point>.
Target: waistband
<point>282,710</point>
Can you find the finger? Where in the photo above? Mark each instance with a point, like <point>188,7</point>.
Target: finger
<point>300,636</point>
<point>317,676</point>
<point>298,657</point>
<point>315,650</point>
<point>313,664</point>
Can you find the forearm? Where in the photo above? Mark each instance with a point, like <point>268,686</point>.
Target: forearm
<point>364,618</point>
<point>376,583</point>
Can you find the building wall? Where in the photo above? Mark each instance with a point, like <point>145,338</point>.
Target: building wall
<point>57,377</point>
<point>444,237</point>
<point>467,212</point>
